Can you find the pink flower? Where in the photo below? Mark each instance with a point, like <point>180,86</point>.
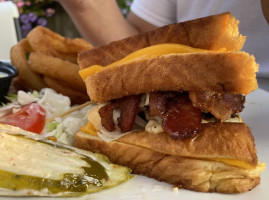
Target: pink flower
<point>20,4</point>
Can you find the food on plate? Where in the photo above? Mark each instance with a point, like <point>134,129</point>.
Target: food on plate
<point>33,165</point>
<point>18,57</point>
<point>45,53</point>
<point>47,42</point>
<point>47,113</point>
<point>53,67</point>
<point>45,168</point>
<point>168,104</point>
<point>30,117</point>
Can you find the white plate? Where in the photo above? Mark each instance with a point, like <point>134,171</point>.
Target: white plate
<point>255,114</point>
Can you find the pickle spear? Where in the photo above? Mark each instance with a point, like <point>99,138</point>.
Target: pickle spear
<point>32,166</point>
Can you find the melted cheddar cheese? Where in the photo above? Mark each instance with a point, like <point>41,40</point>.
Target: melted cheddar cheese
<point>145,53</point>
<point>234,162</point>
<point>89,128</point>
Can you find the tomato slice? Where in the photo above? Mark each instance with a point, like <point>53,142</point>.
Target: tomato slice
<point>30,118</point>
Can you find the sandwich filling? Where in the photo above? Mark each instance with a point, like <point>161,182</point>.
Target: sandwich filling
<point>178,114</point>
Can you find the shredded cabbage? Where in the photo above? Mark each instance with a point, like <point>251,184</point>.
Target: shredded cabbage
<point>67,126</point>
<point>53,102</point>
<point>25,98</point>
<point>59,130</point>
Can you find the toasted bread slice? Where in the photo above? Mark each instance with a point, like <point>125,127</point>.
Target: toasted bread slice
<point>212,33</point>
<point>198,164</point>
<point>231,72</point>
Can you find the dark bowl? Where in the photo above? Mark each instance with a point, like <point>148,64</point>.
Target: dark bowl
<point>9,72</point>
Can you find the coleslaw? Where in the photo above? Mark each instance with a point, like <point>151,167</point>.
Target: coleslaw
<point>64,127</point>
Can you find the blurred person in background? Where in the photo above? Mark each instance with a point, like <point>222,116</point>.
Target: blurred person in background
<point>101,21</point>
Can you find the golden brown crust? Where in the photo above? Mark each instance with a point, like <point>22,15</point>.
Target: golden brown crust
<point>50,43</point>
<point>231,72</point>
<point>39,42</point>
<point>18,56</point>
<point>57,69</point>
<point>212,32</point>
<point>159,157</point>
<point>216,139</point>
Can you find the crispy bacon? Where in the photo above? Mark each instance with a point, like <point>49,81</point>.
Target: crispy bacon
<point>181,112</point>
<point>221,105</point>
<point>180,119</point>
<point>106,114</point>
<point>127,106</point>
<point>159,102</point>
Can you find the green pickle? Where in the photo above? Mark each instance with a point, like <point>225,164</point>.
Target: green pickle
<point>71,182</point>
<point>98,173</point>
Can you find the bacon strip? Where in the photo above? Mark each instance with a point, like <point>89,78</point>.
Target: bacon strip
<point>180,111</point>
<point>180,118</point>
<point>128,107</point>
<point>106,114</point>
<point>221,105</point>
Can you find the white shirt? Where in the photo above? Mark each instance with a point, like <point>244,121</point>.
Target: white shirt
<point>248,12</point>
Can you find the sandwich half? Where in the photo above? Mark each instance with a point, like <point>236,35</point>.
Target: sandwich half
<point>168,103</point>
